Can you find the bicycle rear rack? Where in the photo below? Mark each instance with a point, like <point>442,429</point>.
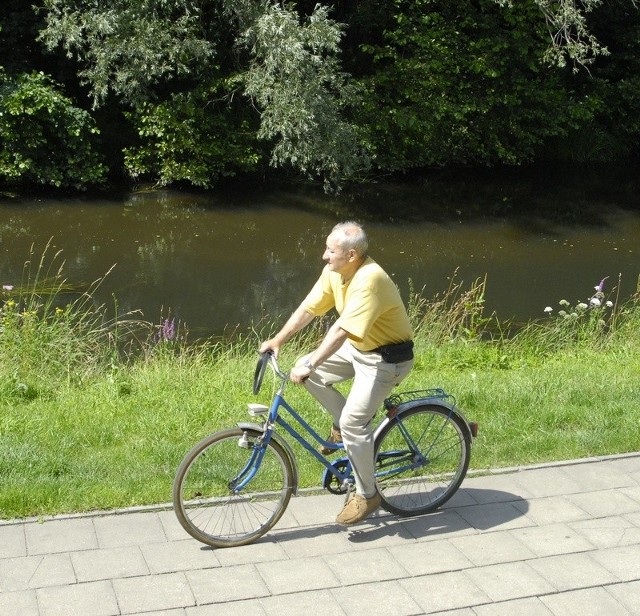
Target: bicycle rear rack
<point>393,402</point>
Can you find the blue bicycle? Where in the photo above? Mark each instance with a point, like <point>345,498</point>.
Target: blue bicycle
<point>234,485</point>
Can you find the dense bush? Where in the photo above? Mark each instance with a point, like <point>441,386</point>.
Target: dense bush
<point>212,89</point>
<point>44,138</point>
<point>463,83</point>
<point>195,136</point>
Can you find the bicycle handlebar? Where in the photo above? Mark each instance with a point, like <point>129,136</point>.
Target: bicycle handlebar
<point>266,358</point>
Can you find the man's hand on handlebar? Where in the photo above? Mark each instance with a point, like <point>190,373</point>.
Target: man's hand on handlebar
<point>299,374</point>
<point>270,345</point>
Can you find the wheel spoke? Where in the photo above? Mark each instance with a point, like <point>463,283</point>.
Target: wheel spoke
<point>208,501</point>
<point>438,449</point>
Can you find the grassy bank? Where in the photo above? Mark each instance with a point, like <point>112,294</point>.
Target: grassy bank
<point>97,413</point>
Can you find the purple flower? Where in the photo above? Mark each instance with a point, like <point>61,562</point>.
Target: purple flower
<point>600,287</point>
<point>167,331</point>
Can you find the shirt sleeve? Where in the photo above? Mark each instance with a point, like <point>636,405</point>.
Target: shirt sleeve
<point>320,299</point>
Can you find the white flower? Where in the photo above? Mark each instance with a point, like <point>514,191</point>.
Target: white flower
<point>609,304</point>
<point>563,302</point>
<point>594,301</point>
<point>548,309</point>
<point>582,306</point>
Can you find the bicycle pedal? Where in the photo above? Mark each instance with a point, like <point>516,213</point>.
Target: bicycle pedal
<point>257,409</point>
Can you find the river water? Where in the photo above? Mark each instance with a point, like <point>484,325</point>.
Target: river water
<point>219,260</point>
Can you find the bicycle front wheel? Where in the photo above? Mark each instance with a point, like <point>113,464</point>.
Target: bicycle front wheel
<point>422,456</point>
<point>229,489</point>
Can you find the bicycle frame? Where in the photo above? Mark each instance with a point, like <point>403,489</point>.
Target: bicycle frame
<point>410,458</point>
<point>275,418</point>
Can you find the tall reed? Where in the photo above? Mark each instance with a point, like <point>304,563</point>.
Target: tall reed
<point>53,332</point>
<point>456,314</point>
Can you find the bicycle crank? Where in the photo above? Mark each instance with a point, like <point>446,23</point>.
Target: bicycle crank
<point>331,481</point>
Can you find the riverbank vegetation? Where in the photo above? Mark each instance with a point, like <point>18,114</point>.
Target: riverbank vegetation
<point>97,411</point>
<point>193,93</point>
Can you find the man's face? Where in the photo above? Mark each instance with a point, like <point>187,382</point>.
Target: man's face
<point>336,257</point>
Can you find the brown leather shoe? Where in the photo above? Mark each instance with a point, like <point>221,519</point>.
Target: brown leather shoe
<point>334,437</point>
<point>357,509</point>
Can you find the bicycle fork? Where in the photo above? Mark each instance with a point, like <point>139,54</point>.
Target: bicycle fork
<point>259,443</point>
<point>251,468</point>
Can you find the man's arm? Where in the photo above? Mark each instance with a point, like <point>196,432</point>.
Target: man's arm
<point>332,341</point>
<point>297,321</point>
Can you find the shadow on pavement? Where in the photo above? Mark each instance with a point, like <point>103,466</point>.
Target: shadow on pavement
<point>469,511</point>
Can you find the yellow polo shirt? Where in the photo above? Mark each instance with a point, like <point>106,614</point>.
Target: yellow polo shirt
<point>369,306</point>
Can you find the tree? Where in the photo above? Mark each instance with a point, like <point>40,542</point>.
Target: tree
<point>302,93</point>
<point>287,66</point>
<point>614,133</point>
<point>128,47</point>
<point>572,41</point>
<point>217,87</point>
<point>462,84</point>
<point>195,136</point>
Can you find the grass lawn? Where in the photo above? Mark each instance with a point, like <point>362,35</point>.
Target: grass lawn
<point>84,426</point>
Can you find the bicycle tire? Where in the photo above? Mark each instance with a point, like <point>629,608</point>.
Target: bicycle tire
<point>413,483</point>
<point>203,497</point>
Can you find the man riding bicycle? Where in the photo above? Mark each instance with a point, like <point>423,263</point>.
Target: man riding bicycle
<point>370,342</point>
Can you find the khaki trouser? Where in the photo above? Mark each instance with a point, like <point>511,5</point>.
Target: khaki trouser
<point>373,380</point>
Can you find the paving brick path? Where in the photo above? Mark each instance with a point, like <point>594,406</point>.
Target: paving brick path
<point>559,539</point>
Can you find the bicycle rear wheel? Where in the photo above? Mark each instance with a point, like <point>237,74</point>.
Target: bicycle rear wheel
<point>422,456</point>
<point>206,497</point>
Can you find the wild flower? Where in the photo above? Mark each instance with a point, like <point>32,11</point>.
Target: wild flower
<point>167,331</point>
<point>585,320</point>
<point>595,301</point>
<point>600,286</point>
<point>6,289</point>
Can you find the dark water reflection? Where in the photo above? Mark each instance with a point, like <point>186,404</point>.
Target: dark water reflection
<point>221,260</point>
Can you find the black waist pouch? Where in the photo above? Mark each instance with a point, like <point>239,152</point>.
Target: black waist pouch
<point>396,353</point>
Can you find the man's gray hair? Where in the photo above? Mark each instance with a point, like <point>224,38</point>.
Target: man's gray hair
<point>353,237</point>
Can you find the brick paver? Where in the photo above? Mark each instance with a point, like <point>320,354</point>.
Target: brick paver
<point>555,539</point>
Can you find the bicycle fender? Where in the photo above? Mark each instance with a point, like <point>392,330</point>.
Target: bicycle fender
<point>282,442</point>
<point>452,408</point>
